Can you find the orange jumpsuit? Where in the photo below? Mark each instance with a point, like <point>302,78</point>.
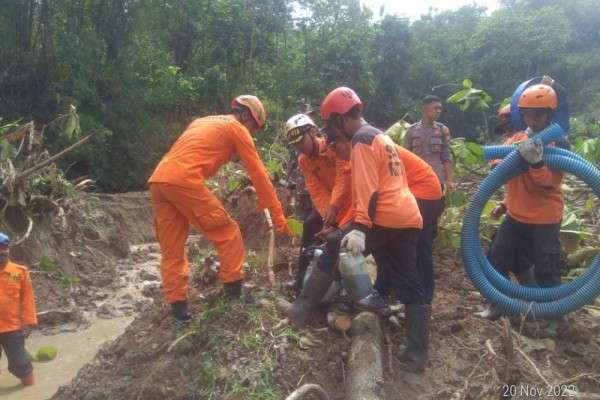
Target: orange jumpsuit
<point>17,304</point>
<point>180,197</point>
<point>328,182</point>
<point>422,179</point>
<point>534,197</point>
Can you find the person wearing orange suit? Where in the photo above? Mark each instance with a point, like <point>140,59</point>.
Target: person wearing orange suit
<point>387,219</point>
<point>180,197</point>
<point>17,313</point>
<point>528,240</point>
<point>424,184</point>
<point>327,180</point>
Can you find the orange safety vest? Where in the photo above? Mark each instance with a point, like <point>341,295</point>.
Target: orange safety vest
<point>534,197</point>
<point>328,182</point>
<point>17,304</point>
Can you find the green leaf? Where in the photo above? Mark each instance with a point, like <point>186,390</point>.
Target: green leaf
<point>467,83</point>
<point>7,151</point>
<point>48,265</point>
<point>456,198</point>
<point>47,353</point>
<point>296,227</point>
<point>458,96</point>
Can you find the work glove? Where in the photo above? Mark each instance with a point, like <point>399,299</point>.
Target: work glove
<point>354,241</point>
<point>531,150</point>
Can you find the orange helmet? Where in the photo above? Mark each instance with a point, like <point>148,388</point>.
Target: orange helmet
<point>502,119</point>
<point>539,96</point>
<point>339,101</point>
<point>257,110</point>
<point>504,112</point>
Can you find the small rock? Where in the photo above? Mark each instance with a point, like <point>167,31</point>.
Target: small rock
<point>106,310</point>
<point>148,276</point>
<point>150,289</point>
<point>57,317</point>
<point>90,233</point>
<point>103,281</point>
<point>119,245</point>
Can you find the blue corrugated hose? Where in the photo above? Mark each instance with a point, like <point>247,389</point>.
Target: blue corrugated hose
<point>508,296</point>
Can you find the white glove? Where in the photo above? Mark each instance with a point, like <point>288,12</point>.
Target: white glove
<point>531,150</point>
<point>354,241</point>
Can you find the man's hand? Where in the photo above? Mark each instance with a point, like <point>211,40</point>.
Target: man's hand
<point>449,185</point>
<point>322,235</point>
<point>281,225</point>
<point>330,215</point>
<point>26,331</point>
<point>531,150</point>
<point>354,241</point>
<point>498,211</point>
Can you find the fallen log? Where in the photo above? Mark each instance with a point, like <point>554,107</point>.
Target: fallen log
<point>365,360</point>
<point>50,160</point>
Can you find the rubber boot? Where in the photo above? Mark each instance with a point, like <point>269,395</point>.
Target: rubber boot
<point>28,380</point>
<point>527,278</point>
<point>180,311</point>
<point>313,291</point>
<point>416,352</point>
<point>375,303</point>
<point>303,262</point>
<point>233,291</point>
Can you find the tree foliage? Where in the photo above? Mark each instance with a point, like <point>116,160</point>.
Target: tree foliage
<point>138,71</point>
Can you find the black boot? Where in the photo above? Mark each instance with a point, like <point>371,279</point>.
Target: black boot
<point>527,278</point>
<point>313,291</point>
<point>416,353</point>
<point>375,303</point>
<point>303,262</point>
<point>233,290</point>
<point>180,311</point>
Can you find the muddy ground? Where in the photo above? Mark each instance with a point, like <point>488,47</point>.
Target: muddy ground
<point>234,350</point>
<point>239,351</point>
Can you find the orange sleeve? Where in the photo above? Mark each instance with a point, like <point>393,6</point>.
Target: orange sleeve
<point>28,315</point>
<point>545,177</point>
<point>365,178</point>
<point>342,190</point>
<point>319,194</point>
<point>244,145</point>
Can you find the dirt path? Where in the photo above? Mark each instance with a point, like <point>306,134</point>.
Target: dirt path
<point>137,278</point>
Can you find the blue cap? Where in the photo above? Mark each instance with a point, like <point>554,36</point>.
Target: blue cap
<point>4,239</point>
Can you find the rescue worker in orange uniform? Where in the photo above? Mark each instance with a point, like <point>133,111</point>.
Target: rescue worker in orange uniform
<point>425,186</point>
<point>528,240</point>
<point>17,313</point>
<point>387,220</point>
<point>180,197</point>
<point>504,125</point>
<point>327,180</point>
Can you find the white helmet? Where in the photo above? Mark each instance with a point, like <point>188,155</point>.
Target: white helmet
<point>294,133</point>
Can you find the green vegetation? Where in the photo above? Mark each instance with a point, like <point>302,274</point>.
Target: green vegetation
<point>137,72</point>
<point>227,328</point>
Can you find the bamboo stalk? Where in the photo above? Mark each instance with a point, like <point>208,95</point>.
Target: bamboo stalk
<point>271,251</point>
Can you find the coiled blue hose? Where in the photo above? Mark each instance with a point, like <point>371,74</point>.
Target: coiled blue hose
<point>502,292</point>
